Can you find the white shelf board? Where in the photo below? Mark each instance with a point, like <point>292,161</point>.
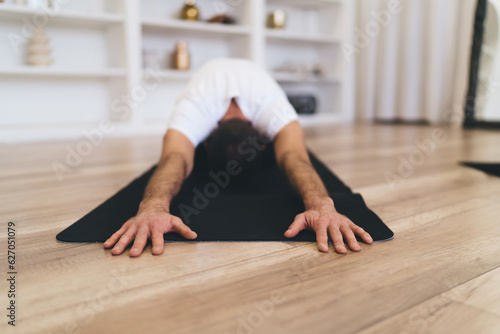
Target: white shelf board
<point>34,71</point>
<point>170,74</point>
<point>298,78</point>
<point>307,3</point>
<point>13,11</point>
<point>290,36</point>
<point>36,133</point>
<point>196,26</point>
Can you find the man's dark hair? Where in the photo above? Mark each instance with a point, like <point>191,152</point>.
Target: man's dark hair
<point>234,140</point>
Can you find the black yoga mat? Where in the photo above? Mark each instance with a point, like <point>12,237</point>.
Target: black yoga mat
<point>490,168</point>
<point>261,209</point>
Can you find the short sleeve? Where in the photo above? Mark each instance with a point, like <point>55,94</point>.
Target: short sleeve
<point>192,120</point>
<point>276,114</point>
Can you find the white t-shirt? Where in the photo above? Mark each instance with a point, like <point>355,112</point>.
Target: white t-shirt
<point>209,92</point>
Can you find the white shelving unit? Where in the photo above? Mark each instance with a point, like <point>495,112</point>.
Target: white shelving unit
<point>71,16</point>
<point>98,70</point>
<point>198,27</point>
<point>26,71</point>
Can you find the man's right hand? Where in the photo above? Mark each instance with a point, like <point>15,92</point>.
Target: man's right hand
<point>150,222</point>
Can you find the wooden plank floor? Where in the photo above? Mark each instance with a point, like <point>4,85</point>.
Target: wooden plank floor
<point>440,274</point>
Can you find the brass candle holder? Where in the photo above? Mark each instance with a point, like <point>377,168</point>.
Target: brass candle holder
<point>190,12</point>
<point>181,58</point>
<point>276,20</point>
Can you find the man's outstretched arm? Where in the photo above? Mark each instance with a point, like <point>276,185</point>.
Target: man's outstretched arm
<point>320,214</point>
<point>153,218</point>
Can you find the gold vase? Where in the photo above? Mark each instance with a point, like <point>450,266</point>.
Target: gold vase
<point>276,20</point>
<point>190,12</point>
<point>181,57</point>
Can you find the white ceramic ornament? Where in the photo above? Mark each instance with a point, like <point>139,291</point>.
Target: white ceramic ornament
<point>38,50</point>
